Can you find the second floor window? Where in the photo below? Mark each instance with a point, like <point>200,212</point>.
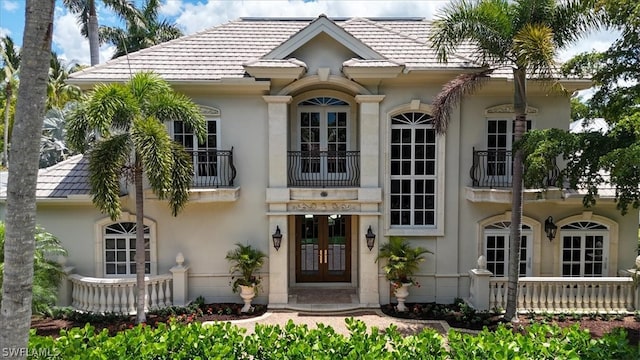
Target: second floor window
<point>413,170</point>
<point>203,152</point>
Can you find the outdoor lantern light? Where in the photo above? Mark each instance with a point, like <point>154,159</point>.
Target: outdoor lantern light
<point>371,238</point>
<point>277,238</point>
<point>550,228</point>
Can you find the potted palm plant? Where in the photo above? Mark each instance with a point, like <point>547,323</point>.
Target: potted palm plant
<point>402,261</point>
<point>245,261</point>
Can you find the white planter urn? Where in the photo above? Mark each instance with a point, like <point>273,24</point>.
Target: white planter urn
<point>247,293</point>
<point>401,294</point>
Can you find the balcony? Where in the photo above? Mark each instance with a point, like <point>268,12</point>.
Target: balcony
<point>492,178</point>
<point>324,169</point>
<point>214,174</point>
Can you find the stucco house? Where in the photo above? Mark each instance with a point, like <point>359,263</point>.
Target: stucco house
<point>321,129</point>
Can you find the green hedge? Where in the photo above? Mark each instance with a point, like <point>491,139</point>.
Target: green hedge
<point>226,341</point>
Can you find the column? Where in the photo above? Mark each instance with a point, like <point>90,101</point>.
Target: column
<point>369,139</point>
<point>277,112</point>
<point>278,274</point>
<point>180,282</point>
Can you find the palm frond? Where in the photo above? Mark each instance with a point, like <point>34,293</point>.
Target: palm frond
<point>484,24</point>
<point>572,19</point>
<point>451,94</point>
<point>178,107</point>
<point>111,107</point>
<point>146,85</point>
<point>153,146</point>
<point>535,51</point>
<point>106,163</point>
<point>77,127</point>
<point>181,178</point>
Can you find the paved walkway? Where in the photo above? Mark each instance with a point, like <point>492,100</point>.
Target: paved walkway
<point>337,321</point>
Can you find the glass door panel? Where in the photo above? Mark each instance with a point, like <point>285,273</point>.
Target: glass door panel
<point>323,251</point>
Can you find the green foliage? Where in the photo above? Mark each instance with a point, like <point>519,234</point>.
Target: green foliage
<point>47,272</point>
<point>540,341</point>
<point>226,341</point>
<point>245,261</point>
<point>129,118</point>
<point>402,260</point>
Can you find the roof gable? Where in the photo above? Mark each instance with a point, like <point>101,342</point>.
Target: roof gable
<point>323,25</point>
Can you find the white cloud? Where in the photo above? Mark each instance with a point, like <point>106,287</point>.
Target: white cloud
<point>198,16</point>
<point>10,6</point>
<point>74,46</point>
<point>4,32</point>
<point>171,7</point>
<point>597,40</point>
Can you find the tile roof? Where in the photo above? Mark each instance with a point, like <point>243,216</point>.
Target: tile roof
<point>220,52</point>
<point>64,179</point>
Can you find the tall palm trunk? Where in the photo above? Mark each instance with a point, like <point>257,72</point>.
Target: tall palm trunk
<point>140,249</point>
<point>92,34</point>
<point>520,109</point>
<point>8,91</point>
<point>15,316</point>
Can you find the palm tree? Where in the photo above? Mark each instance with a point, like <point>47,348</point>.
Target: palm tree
<point>9,78</point>
<point>53,147</point>
<point>20,216</point>
<point>85,10</point>
<point>524,35</point>
<point>47,272</point>
<point>58,91</point>
<point>141,33</point>
<point>133,139</point>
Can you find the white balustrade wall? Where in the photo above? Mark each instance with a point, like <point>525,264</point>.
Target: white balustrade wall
<point>118,295</point>
<point>566,294</point>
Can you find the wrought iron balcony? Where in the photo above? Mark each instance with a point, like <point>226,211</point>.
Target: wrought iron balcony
<point>324,169</point>
<point>213,168</point>
<point>494,169</point>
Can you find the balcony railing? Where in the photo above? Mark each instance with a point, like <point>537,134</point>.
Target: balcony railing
<point>494,169</point>
<point>324,169</point>
<point>213,168</point>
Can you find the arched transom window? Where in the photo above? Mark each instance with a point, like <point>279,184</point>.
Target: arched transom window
<point>413,170</point>
<point>120,249</point>
<point>496,248</point>
<point>585,246</point>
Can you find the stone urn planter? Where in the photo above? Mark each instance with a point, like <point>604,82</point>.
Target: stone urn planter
<point>247,293</point>
<point>401,294</point>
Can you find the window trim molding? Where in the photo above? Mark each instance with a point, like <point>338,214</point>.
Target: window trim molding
<point>613,238</point>
<point>438,229</point>
<point>99,242</point>
<point>536,240</point>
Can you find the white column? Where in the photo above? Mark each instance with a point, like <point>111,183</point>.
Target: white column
<point>368,267</point>
<point>277,110</point>
<point>480,290</point>
<point>278,280</point>
<point>65,288</point>
<point>180,282</point>
<point>369,139</point>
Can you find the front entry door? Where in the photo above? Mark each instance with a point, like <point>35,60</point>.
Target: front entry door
<point>323,248</point>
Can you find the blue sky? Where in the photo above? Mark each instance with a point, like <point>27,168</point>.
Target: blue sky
<point>196,15</point>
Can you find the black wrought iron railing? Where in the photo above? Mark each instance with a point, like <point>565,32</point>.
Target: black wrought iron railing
<point>324,168</point>
<point>213,168</point>
<point>494,169</point>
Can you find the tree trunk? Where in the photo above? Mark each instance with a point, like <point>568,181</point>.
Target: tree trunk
<point>520,109</point>
<point>92,34</point>
<point>140,249</point>
<point>15,316</point>
<point>8,93</point>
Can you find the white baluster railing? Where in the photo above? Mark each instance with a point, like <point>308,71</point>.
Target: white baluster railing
<point>118,295</point>
<point>567,294</point>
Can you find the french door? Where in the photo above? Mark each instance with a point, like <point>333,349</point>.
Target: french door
<point>323,248</point>
<point>323,141</point>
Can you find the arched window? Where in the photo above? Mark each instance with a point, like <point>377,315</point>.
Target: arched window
<point>585,247</point>
<point>119,241</point>
<point>414,154</point>
<point>496,248</point>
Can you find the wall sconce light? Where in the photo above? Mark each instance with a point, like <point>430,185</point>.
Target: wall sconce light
<point>277,238</point>
<point>371,238</point>
<point>550,228</point>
